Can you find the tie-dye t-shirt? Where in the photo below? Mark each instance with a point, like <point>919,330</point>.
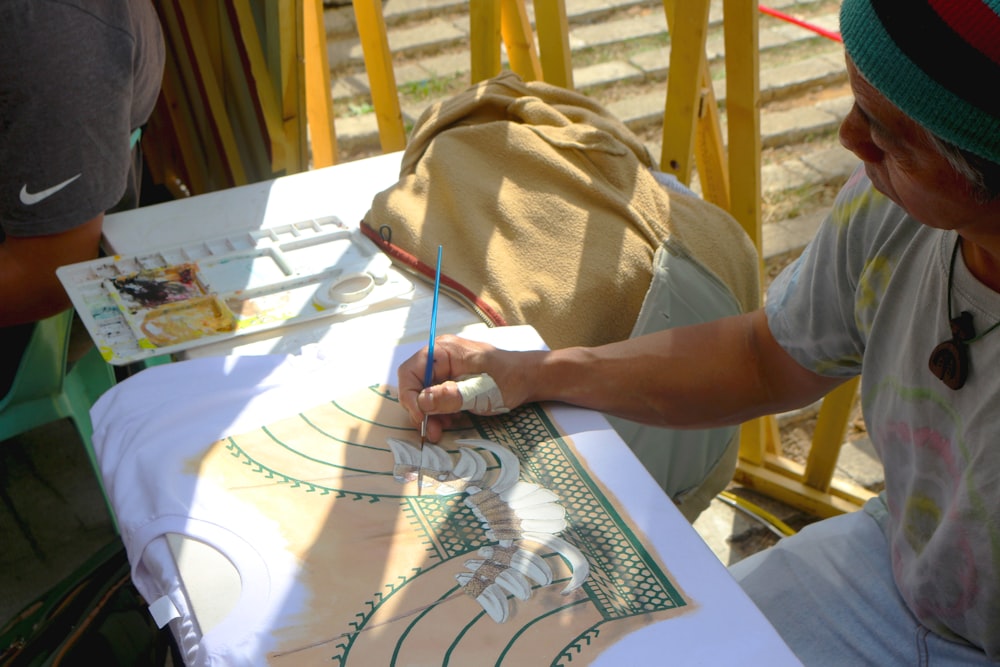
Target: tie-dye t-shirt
<point>870,295</point>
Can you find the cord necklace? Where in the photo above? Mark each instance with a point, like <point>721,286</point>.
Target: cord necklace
<point>950,359</point>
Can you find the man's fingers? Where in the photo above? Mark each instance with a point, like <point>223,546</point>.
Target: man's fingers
<point>436,426</point>
<point>453,357</point>
<point>443,398</point>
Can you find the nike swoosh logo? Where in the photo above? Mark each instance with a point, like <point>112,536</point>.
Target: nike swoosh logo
<point>29,198</point>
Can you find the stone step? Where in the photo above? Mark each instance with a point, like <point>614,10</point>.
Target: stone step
<point>429,39</point>
<point>644,109</point>
<point>438,48</point>
<point>423,80</point>
<point>339,22</point>
<point>401,15</point>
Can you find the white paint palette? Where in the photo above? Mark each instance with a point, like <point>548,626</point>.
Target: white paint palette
<point>140,306</point>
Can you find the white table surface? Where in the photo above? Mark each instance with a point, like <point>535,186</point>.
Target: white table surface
<point>726,625</point>
<point>344,190</point>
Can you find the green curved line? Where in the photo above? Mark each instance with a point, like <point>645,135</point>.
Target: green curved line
<point>341,441</point>
<point>460,635</point>
<point>576,642</point>
<point>510,645</point>
<point>382,600</point>
<point>416,619</point>
<point>475,619</point>
<point>368,421</point>
<point>313,459</point>
<point>382,394</point>
<point>540,618</point>
<point>308,486</point>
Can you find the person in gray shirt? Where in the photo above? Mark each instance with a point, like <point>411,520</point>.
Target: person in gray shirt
<point>78,79</point>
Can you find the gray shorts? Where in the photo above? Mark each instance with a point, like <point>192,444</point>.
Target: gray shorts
<point>830,594</point>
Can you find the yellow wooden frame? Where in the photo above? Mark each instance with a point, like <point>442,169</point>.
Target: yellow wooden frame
<point>319,98</point>
<point>233,103</point>
<point>494,21</point>
<point>691,134</point>
<point>381,76</point>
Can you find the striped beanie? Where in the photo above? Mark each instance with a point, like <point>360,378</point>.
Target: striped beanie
<point>936,60</point>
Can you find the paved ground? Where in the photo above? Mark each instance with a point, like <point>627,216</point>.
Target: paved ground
<point>52,515</point>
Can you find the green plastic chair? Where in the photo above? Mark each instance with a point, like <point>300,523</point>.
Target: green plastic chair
<point>43,391</point>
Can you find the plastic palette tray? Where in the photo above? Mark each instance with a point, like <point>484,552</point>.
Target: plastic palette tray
<point>146,305</point>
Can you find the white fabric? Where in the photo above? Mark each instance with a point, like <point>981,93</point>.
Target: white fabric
<point>146,428</point>
<point>163,611</point>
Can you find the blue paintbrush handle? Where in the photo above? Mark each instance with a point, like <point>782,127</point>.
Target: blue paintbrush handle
<point>429,371</point>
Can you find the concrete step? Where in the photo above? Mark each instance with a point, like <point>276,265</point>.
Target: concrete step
<point>621,50</point>
<point>438,48</point>
<point>424,79</point>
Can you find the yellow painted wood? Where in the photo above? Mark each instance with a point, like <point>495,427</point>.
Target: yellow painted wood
<point>552,27</point>
<point>518,38</point>
<point>265,145</point>
<point>237,110</point>
<point>688,24</point>
<point>188,121</point>
<point>292,82</point>
<point>270,30</point>
<point>839,488</point>
<point>709,149</point>
<point>210,14</point>
<point>731,178</point>
<point>758,438</point>
<point>243,105</point>
<point>828,437</point>
<point>484,39</point>
<point>743,116</point>
<point>381,77</point>
<point>741,35</point>
<point>280,26</point>
<point>778,481</point>
<point>203,92</point>
<point>171,142</point>
<point>319,98</point>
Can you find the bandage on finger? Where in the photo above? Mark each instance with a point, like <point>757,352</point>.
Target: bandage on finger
<point>481,395</point>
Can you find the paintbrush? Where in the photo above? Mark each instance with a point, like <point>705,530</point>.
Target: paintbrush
<point>429,368</point>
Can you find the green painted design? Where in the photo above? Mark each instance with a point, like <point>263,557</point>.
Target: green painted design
<point>625,579</point>
<point>309,487</point>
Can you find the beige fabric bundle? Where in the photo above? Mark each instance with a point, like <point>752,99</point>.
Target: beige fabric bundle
<point>547,210</point>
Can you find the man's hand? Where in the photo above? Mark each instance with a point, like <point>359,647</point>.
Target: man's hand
<point>455,359</point>
<point>29,288</point>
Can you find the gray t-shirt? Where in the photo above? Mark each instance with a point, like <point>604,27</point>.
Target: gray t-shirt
<point>76,78</point>
<point>870,295</point>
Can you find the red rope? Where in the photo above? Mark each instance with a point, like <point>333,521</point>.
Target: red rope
<point>835,36</point>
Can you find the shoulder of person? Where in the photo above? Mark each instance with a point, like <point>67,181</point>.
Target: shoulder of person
<point>865,217</point>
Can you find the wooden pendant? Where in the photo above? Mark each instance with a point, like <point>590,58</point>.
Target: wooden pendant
<point>950,360</point>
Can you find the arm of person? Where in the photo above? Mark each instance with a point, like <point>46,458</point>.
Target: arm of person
<point>29,287</point>
<point>706,375</point>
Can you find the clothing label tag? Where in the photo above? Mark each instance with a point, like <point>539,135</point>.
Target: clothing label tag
<point>163,611</point>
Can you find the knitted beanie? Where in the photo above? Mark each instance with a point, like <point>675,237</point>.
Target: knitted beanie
<point>937,60</point>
